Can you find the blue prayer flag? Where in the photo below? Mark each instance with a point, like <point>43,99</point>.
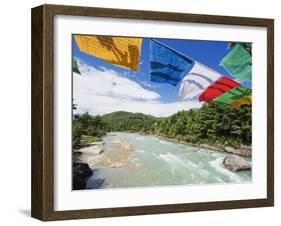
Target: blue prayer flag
<point>167,65</point>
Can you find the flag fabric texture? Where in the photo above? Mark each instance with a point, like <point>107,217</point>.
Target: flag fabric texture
<point>196,81</point>
<point>238,62</point>
<point>75,65</point>
<point>221,86</point>
<point>121,52</point>
<point>167,65</point>
<point>243,101</point>
<point>233,95</point>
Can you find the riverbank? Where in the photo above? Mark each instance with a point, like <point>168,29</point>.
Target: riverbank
<point>244,151</point>
<point>93,156</point>
<point>81,170</point>
<point>96,157</point>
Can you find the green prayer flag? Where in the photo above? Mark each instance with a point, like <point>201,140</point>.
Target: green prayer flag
<point>234,94</point>
<point>75,66</point>
<point>238,62</point>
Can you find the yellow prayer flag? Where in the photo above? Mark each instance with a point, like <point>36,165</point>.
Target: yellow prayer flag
<point>245,100</point>
<point>122,52</point>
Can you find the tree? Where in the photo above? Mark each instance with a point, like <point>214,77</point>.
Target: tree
<point>213,123</point>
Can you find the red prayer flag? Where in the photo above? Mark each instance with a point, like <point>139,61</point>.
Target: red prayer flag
<point>221,86</point>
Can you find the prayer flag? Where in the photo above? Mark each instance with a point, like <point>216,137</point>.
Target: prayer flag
<point>243,101</point>
<point>221,86</point>
<point>233,95</point>
<point>121,52</point>
<point>238,62</point>
<point>75,66</point>
<point>167,65</point>
<point>196,81</point>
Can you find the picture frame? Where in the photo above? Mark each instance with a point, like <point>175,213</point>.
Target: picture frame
<point>43,107</point>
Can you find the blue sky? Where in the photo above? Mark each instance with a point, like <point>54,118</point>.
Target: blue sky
<point>208,53</point>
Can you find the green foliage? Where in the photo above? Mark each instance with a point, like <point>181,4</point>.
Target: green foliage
<point>87,129</point>
<point>89,139</point>
<point>76,133</point>
<point>131,122</point>
<point>213,123</point>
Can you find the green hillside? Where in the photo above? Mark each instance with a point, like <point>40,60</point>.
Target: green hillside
<point>127,121</point>
<point>213,123</point>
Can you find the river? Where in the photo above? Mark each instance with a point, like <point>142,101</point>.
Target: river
<point>133,160</point>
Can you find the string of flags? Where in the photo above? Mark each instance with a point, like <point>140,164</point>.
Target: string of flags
<point>167,65</point>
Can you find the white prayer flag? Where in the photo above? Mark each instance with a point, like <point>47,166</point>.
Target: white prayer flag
<point>196,81</point>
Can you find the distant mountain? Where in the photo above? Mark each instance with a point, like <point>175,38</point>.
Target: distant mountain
<point>122,114</point>
<point>122,120</point>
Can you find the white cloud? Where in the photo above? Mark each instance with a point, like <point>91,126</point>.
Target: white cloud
<point>105,91</point>
<point>109,83</point>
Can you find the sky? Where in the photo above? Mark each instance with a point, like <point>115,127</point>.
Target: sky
<point>104,88</point>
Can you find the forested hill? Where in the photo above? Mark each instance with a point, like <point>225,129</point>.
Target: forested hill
<point>127,121</point>
<point>211,124</point>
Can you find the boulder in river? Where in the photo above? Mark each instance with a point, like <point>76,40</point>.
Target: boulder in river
<point>236,163</point>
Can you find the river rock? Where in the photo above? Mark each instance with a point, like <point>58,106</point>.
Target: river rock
<point>242,151</point>
<point>95,149</point>
<point>229,149</point>
<point>236,163</point>
<point>81,172</point>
